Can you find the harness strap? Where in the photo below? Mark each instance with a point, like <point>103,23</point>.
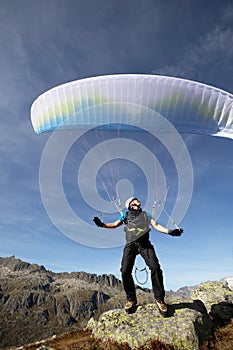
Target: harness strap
<point>135,274</point>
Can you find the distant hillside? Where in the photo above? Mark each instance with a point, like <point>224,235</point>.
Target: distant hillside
<point>36,303</point>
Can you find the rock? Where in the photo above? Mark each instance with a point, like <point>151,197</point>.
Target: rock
<point>212,293</point>
<point>218,300</point>
<point>229,282</point>
<point>186,328</point>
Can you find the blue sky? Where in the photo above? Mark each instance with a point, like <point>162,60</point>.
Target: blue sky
<point>47,43</point>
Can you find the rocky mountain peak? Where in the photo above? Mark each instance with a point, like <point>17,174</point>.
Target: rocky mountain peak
<point>36,303</point>
<point>50,302</point>
<point>13,264</point>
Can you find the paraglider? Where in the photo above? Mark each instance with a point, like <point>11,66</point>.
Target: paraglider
<point>104,122</point>
<point>190,106</point>
<point>137,228</point>
<point>127,113</point>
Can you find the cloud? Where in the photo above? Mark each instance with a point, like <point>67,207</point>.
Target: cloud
<point>210,59</point>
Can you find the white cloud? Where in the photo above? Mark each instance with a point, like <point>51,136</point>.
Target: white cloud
<point>210,59</point>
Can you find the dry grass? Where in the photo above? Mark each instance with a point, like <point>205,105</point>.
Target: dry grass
<point>222,339</point>
<point>82,340</point>
<point>78,340</point>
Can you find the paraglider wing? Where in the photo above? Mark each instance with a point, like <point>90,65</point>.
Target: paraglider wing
<point>190,106</point>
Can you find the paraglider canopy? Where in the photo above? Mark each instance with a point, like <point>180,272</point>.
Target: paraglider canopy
<point>190,106</point>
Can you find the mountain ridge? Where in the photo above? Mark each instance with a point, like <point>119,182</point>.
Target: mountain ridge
<point>50,303</point>
<point>36,303</point>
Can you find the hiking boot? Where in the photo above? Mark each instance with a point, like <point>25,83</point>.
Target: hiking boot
<point>130,305</point>
<point>161,306</point>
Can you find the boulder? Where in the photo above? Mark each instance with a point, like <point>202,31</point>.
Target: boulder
<point>229,282</point>
<point>217,298</point>
<point>187,325</point>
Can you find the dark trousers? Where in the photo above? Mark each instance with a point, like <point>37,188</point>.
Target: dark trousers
<point>146,250</point>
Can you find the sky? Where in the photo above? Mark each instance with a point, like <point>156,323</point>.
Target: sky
<point>51,42</point>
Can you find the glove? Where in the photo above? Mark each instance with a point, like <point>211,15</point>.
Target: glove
<point>176,233</point>
<point>98,222</point>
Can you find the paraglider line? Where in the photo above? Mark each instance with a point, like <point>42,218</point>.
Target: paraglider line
<point>167,214</point>
<point>112,200</point>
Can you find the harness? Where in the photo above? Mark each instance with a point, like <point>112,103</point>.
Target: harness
<point>136,225</point>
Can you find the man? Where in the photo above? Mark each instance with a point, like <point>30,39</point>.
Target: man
<point>137,227</point>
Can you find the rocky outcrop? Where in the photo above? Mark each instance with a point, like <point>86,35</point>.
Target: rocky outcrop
<point>187,325</point>
<point>185,329</point>
<point>217,298</point>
